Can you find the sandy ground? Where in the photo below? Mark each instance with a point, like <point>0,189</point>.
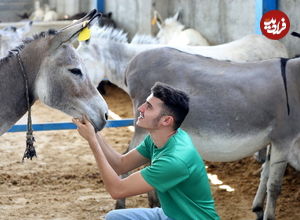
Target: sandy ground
<point>63,181</point>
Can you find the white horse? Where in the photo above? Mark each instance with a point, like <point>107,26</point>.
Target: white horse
<point>108,52</point>
<point>172,32</point>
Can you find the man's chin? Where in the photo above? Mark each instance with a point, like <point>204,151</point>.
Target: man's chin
<point>138,123</point>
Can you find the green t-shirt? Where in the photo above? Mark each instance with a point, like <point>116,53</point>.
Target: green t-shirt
<point>178,174</point>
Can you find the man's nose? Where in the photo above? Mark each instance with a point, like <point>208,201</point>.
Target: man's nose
<point>141,108</point>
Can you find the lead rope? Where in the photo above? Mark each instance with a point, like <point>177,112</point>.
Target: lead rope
<point>29,150</point>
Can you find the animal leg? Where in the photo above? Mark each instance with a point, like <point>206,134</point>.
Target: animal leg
<point>153,199</point>
<point>278,163</point>
<point>261,155</point>
<point>258,202</point>
<point>121,203</point>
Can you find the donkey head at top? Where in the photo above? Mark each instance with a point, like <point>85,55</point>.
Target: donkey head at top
<point>168,27</point>
<point>60,80</point>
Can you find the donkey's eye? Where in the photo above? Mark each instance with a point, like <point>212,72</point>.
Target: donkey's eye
<point>76,71</point>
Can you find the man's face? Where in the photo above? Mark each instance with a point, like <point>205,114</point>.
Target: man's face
<point>150,113</point>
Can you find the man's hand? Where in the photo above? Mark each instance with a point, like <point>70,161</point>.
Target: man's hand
<point>85,128</point>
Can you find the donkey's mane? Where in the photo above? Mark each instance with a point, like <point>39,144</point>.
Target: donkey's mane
<point>144,39</point>
<point>13,52</point>
<point>109,33</point>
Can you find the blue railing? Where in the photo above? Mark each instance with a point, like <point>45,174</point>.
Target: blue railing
<point>68,126</point>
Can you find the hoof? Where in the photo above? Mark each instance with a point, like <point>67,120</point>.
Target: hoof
<point>259,213</point>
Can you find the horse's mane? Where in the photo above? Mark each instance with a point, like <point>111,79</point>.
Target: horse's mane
<point>109,33</point>
<point>13,52</point>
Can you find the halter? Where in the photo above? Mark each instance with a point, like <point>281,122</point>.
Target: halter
<point>30,150</point>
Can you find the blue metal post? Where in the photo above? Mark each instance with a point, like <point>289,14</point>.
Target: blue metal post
<point>100,5</point>
<point>263,6</point>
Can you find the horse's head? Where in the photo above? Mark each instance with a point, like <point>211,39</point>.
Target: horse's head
<point>62,81</point>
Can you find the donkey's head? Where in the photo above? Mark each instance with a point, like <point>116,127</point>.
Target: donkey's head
<point>62,81</point>
<point>168,28</point>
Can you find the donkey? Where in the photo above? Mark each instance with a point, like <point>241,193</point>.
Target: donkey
<point>236,109</point>
<point>11,37</point>
<point>109,52</point>
<point>55,75</point>
<point>172,32</point>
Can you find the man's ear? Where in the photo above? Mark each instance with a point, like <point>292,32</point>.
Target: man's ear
<point>167,120</point>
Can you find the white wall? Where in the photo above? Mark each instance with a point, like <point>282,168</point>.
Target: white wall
<point>220,21</point>
<point>9,9</point>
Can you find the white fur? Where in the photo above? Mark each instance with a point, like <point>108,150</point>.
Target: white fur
<point>7,34</point>
<point>172,32</point>
<point>215,147</point>
<point>42,88</point>
<point>38,13</point>
<point>50,15</point>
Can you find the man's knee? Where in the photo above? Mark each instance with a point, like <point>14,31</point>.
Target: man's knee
<point>111,215</point>
<point>117,214</point>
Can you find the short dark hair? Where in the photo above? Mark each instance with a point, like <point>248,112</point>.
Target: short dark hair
<point>176,102</point>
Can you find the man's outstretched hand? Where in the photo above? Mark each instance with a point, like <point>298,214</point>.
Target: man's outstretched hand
<point>85,128</point>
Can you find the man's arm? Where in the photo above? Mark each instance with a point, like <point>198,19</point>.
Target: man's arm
<point>121,163</point>
<point>117,187</point>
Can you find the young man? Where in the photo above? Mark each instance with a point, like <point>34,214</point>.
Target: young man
<point>177,171</point>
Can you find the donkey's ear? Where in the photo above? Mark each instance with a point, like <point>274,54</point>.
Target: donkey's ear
<point>71,32</point>
<point>157,19</point>
<point>109,14</point>
<point>177,16</point>
<point>25,29</point>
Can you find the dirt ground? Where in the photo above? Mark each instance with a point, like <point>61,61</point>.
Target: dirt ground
<point>63,181</point>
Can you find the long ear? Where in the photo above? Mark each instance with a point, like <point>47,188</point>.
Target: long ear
<point>177,16</point>
<point>69,33</point>
<point>25,29</point>
<point>109,14</point>
<point>86,17</point>
<point>158,19</point>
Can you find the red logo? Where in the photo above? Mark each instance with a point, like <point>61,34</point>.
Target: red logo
<point>275,24</point>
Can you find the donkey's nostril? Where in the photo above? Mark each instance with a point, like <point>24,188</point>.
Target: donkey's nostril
<point>106,116</point>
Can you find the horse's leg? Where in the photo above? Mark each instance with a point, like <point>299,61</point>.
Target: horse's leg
<point>258,202</point>
<point>153,199</point>
<point>278,163</point>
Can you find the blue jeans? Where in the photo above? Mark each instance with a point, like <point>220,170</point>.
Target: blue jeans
<point>137,214</point>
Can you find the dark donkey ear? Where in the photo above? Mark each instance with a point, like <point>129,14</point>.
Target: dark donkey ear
<point>70,32</point>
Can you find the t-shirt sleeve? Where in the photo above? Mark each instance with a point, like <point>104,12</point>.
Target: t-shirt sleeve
<point>165,173</point>
<point>144,148</point>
